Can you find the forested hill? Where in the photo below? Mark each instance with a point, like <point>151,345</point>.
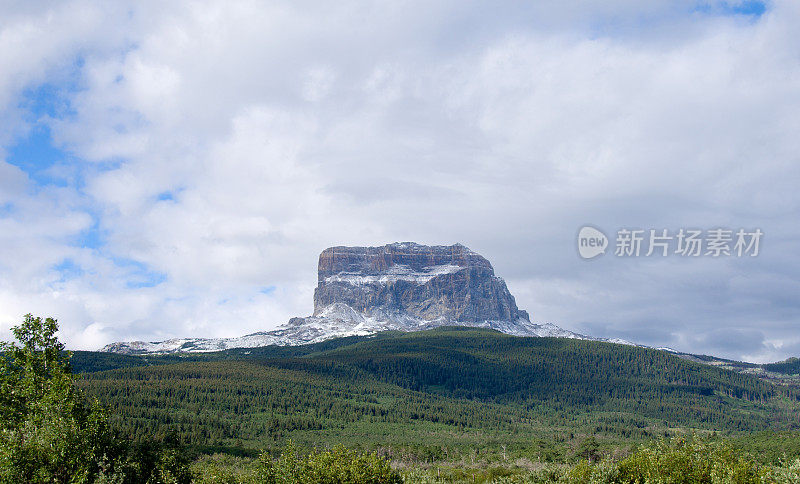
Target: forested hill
<point>790,366</point>
<point>456,384</point>
<point>94,361</point>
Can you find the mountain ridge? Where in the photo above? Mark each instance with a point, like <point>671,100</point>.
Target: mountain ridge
<point>403,286</point>
<point>458,385</point>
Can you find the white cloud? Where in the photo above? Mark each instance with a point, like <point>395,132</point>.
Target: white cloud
<point>249,137</point>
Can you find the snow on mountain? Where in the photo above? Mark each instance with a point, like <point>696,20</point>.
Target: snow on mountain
<point>398,272</point>
<point>402,287</point>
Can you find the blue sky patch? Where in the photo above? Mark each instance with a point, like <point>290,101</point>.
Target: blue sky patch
<point>92,238</point>
<point>36,155</point>
<point>48,100</point>
<point>165,197</point>
<point>746,8</point>
<point>139,275</point>
<point>6,209</point>
<point>68,270</point>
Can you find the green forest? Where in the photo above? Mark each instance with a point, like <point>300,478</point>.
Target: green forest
<point>445,405</point>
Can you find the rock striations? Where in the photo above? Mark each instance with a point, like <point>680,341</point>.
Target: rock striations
<point>439,283</point>
<point>401,286</point>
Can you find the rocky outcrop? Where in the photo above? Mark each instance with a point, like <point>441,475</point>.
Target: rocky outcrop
<point>401,286</point>
<point>431,283</point>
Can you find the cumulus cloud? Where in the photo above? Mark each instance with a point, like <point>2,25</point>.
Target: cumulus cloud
<point>219,149</point>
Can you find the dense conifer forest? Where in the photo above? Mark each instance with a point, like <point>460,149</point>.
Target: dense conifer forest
<point>429,393</point>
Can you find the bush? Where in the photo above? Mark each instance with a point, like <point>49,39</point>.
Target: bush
<point>690,460</point>
<point>336,466</point>
<point>679,460</point>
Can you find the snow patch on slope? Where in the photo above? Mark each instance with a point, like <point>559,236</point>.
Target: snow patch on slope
<point>336,321</point>
<point>397,272</point>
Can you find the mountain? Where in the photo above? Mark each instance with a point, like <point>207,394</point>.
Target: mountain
<point>440,283</point>
<point>450,387</point>
<point>401,286</point>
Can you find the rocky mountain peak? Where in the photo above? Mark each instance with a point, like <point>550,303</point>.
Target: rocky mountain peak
<point>448,283</point>
<point>378,260</point>
<point>401,286</point>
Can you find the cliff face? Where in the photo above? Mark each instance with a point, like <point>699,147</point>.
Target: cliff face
<point>401,286</point>
<point>432,283</point>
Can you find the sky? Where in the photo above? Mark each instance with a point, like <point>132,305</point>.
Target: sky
<point>174,169</point>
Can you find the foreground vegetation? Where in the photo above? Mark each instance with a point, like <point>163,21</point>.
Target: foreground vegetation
<point>450,405</point>
<point>677,460</point>
<point>52,433</point>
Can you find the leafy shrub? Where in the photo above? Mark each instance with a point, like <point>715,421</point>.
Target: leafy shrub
<point>679,460</point>
<point>788,472</point>
<point>51,434</point>
<point>690,460</point>
<point>336,466</point>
